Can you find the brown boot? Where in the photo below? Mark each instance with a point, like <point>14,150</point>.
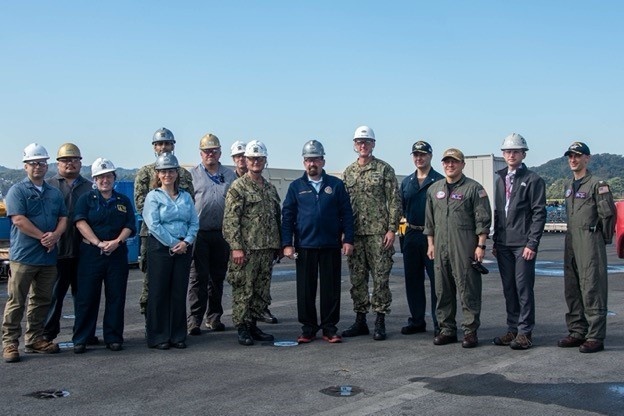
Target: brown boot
<point>10,354</point>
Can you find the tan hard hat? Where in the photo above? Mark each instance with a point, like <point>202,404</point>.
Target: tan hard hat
<point>68,150</point>
<point>209,141</point>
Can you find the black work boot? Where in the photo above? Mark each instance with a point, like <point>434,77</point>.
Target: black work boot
<point>257,334</point>
<point>358,328</point>
<point>380,327</point>
<point>243,335</point>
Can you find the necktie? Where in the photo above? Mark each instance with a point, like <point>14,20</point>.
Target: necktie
<point>509,179</point>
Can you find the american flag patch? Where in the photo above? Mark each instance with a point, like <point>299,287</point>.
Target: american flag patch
<point>603,189</point>
<point>482,193</point>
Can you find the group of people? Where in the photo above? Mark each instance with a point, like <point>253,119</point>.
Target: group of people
<point>209,223</point>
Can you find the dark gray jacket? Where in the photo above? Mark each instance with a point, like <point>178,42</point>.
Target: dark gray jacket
<point>524,222</point>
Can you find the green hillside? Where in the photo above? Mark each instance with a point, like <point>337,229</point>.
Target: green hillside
<point>606,166</point>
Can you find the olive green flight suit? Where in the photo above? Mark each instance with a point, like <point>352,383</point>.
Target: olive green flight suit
<point>455,221</point>
<point>591,224</point>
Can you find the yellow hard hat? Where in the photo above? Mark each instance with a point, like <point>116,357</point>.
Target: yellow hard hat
<point>68,150</point>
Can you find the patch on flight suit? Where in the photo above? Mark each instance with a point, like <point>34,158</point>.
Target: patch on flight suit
<point>580,195</point>
<point>458,197</point>
<point>482,193</point>
<point>604,189</point>
<point>440,194</point>
<point>568,192</point>
<point>329,190</point>
<point>121,208</point>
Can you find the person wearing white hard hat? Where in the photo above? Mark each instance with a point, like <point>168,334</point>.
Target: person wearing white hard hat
<point>519,220</point>
<point>72,185</point>
<point>237,151</point>
<point>106,219</point>
<point>163,141</point>
<point>38,219</point>
<point>374,193</point>
<point>210,256</point>
<point>251,226</point>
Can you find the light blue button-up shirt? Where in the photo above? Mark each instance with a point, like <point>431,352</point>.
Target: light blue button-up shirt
<point>170,220</point>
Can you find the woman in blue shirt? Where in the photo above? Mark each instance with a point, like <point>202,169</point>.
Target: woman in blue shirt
<point>106,219</point>
<point>170,216</point>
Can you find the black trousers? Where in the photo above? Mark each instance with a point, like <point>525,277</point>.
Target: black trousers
<point>415,262</point>
<point>205,291</point>
<point>318,265</point>
<point>67,275</point>
<point>167,284</point>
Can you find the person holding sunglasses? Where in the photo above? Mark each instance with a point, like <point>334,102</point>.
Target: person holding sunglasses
<point>172,221</point>
<point>38,220</point>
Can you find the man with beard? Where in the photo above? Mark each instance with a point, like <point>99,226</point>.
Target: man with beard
<point>317,222</point>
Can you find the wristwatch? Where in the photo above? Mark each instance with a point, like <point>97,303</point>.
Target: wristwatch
<point>482,246</point>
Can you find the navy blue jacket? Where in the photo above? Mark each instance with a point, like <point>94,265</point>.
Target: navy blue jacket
<point>317,220</point>
<point>414,196</point>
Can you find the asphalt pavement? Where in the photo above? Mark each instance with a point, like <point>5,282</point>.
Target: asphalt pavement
<point>404,375</point>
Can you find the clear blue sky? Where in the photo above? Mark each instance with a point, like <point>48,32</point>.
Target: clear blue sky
<point>105,75</point>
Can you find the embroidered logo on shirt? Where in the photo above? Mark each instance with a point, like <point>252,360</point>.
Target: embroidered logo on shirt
<point>568,193</point>
<point>580,195</point>
<point>482,193</point>
<point>328,190</point>
<point>121,208</point>
<point>440,194</point>
<point>458,197</point>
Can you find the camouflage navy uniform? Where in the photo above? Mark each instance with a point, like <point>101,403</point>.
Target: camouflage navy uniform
<point>456,220</point>
<point>374,194</point>
<point>252,222</point>
<point>591,223</point>
<point>142,185</point>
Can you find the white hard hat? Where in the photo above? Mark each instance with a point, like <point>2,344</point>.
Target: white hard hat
<point>364,133</point>
<point>101,166</point>
<point>514,142</point>
<point>238,148</point>
<point>35,151</point>
<point>256,148</point>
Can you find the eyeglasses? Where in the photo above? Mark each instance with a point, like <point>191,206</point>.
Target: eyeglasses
<point>168,171</point>
<point>67,160</point>
<point>363,142</point>
<point>259,159</point>
<point>211,151</point>
<point>35,163</point>
<point>163,143</point>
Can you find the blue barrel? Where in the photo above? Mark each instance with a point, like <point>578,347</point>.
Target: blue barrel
<point>5,228</point>
<point>127,188</point>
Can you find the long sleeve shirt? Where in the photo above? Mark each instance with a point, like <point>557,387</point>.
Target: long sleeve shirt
<point>170,220</point>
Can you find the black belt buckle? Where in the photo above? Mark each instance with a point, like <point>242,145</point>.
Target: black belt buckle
<point>478,266</point>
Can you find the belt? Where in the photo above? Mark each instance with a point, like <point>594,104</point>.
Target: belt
<point>416,227</point>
